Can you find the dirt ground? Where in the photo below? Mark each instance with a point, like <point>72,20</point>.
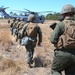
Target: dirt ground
<point>12,58</point>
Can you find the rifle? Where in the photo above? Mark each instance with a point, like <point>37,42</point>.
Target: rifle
<point>53,25</point>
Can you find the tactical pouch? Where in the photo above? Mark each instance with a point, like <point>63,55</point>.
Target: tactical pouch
<point>14,31</point>
<point>26,41</point>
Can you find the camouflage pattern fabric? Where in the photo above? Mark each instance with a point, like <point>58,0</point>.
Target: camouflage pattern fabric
<point>31,45</point>
<point>64,59</point>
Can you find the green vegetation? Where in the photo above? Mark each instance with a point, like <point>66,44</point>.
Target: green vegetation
<point>53,16</point>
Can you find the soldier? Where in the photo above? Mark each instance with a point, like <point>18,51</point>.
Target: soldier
<point>20,24</point>
<point>63,38</point>
<point>31,30</point>
<point>9,21</point>
<point>19,28</point>
<point>15,25</point>
<point>11,25</point>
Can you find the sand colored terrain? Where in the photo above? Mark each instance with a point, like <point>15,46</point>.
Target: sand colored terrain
<point>12,58</point>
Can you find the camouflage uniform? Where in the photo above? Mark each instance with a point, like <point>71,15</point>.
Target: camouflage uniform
<point>64,59</point>
<point>19,28</point>
<point>11,26</point>
<point>9,21</point>
<point>30,47</point>
<point>15,26</point>
<point>20,24</point>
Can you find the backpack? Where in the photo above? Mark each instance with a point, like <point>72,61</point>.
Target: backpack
<point>31,30</point>
<point>21,24</point>
<point>67,40</point>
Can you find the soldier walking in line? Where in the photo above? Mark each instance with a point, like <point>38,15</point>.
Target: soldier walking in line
<point>63,38</point>
<point>31,30</point>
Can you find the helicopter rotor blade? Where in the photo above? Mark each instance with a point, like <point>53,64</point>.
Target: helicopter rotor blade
<point>20,11</point>
<point>31,12</point>
<point>44,11</point>
<point>3,8</point>
<point>27,10</point>
<point>37,12</point>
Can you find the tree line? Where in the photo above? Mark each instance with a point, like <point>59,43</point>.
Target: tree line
<point>54,16</point>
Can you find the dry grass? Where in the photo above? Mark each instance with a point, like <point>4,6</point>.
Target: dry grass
<point>10,67</point>
<point>5,37</point>
<point>17,65</point>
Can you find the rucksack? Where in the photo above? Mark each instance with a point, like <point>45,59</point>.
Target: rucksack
<point>67,40</point>
<point>31,30</point>
<point>26,41</point>
<point>20,25</point>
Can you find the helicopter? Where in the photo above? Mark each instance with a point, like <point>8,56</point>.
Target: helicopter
<point>38,18</point>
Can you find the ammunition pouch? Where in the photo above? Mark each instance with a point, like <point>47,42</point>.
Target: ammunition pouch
<point>27,41</point>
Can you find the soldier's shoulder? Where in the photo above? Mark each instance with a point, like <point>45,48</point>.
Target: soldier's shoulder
<point>61,23</point>
<point>25,25</point>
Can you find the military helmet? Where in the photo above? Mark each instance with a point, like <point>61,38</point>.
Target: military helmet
<point>22,19</point>
<point>31,18</point>
<point>67,9</point>
<point>18,19</point>
<point>14,19</point>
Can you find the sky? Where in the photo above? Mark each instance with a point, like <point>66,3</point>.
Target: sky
<point>35,5</point>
